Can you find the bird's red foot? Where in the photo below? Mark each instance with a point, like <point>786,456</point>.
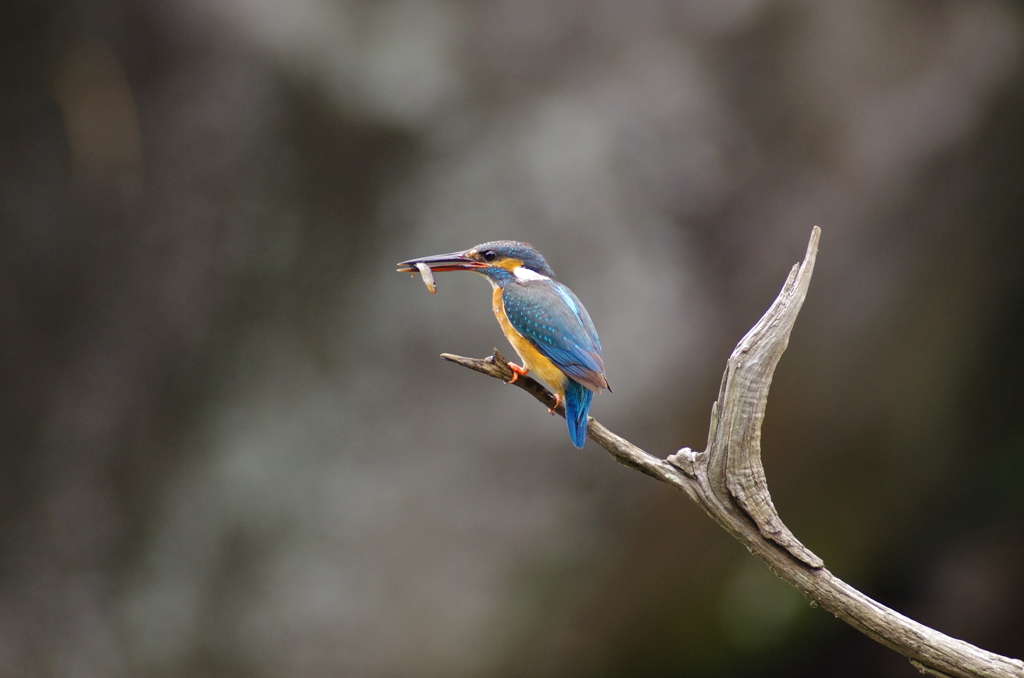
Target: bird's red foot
<point>517,372</point>
<point>558,401</point>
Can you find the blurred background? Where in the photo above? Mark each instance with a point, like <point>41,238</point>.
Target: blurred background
<point>229,448</point>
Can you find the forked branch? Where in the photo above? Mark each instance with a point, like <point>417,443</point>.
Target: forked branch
<point>728,481</point>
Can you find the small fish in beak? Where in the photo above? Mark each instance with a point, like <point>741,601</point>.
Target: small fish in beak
<point>428,276</point>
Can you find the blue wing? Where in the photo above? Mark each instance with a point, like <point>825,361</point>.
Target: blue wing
<point>550,316</point>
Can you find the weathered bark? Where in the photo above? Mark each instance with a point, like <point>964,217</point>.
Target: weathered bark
<point>728,481</point>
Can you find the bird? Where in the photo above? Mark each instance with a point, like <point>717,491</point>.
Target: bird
<point>544,320</point>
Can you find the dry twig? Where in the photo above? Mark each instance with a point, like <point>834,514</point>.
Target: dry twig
<point>728,482</point>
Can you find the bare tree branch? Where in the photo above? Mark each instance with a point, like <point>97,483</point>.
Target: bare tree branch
<point>728,482</point>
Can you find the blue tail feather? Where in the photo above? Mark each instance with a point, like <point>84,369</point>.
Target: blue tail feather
<point>577,404</point>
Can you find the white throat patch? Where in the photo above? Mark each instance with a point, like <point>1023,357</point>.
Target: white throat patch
<point>524,274</point>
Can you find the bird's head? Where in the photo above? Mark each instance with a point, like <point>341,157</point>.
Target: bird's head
<point>501,261</point>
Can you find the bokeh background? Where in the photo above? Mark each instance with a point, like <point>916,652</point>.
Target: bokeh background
<point>229,448</point>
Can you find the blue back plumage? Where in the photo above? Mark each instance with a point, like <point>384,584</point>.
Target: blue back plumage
<point>552,318</point>
<point>577,405</point>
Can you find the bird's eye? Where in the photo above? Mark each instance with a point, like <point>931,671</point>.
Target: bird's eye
<point>490,255</point>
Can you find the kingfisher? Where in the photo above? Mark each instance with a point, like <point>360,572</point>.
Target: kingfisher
<point>544,321</point>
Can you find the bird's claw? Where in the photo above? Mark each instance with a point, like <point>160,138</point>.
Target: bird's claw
<point>517,372</point>
<point>558,401</point>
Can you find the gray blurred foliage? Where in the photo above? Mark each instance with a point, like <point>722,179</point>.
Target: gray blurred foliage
<point>229,448</point>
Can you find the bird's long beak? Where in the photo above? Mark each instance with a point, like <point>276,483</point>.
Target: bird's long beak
<point>456,261</point>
